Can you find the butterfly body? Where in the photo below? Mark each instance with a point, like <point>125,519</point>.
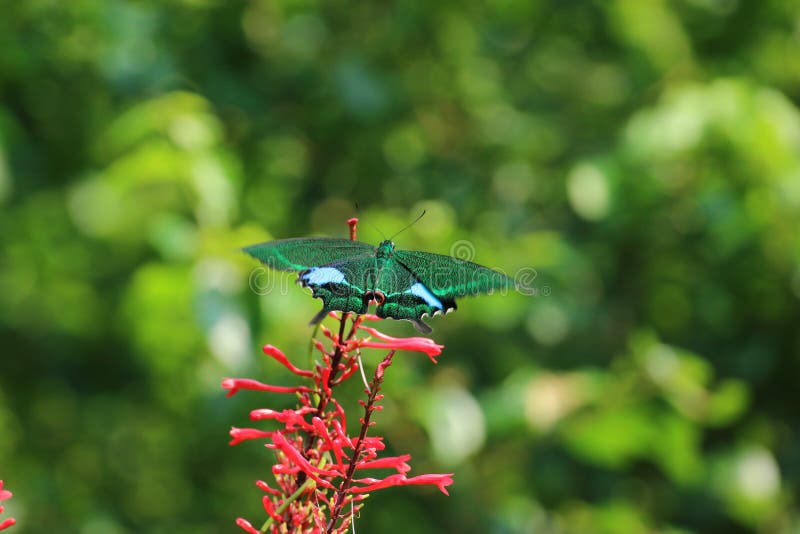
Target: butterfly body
<point>349,275</point>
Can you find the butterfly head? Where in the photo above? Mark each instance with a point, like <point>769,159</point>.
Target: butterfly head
<point>385,249</point>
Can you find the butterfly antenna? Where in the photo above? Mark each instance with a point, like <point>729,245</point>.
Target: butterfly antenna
<point>370,223</point>
<point>409,225</point>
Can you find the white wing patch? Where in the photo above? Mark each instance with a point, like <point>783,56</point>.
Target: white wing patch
<point>318,276</point>
<point>419,290</point>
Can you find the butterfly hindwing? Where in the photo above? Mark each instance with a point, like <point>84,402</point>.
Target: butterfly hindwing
<point>405,296</point>
<point>306,252</point>
<point>342,285</point>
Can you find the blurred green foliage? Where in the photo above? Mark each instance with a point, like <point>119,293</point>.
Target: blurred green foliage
<point>642,156</point>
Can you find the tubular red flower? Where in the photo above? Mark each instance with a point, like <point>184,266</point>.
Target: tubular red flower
<point>243,434</point>
<point>276,353</point>
<point>372,484</point>
<point>267,488</point>
<point>432,353</point>
<point>291,418</point>
<point>330,335</point>
<point>325,378</point>
<point>348,371</point>
<point>320,347</point>
<point>246,526</point>
<point>294,455</point>
<point>342,434</point>
<point>418,344</point>
<point>233,385</point>
<point>269,507</point>
<point>390,462</point>
<point>319,427</point>
<point>371,442</point>
<point>340,413</point>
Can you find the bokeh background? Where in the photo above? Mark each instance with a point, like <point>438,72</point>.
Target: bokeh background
<point>642,156</point>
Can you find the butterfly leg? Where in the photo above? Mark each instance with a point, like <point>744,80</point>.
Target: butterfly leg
<point>337,297</point>
<point>421,326</point>
<point>319,317</point>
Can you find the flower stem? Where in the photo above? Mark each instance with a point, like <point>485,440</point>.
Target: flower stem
<point>339,352</point>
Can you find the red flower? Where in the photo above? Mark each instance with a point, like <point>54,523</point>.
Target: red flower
<point>316,458</point>
<point>418,344</point>
<point>372,484</point>
<point>4,496</point>
<point>235,384</point>
<point>246,526</point>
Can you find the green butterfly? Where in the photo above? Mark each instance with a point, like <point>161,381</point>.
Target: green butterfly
<point>406,284</point>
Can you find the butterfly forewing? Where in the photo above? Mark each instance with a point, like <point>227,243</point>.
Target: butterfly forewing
<point>306,252</point>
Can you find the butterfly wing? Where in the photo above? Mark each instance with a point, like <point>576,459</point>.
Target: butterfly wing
<point>342,285</point>
<point>405,296</point>
<point>426,283</point>
<point>336,270</point>
<point>304,253</point>
<point>448,278</point>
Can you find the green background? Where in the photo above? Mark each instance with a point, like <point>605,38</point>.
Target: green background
<point>640,157</point>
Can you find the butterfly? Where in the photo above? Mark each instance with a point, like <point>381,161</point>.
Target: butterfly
<point>406,284</point>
